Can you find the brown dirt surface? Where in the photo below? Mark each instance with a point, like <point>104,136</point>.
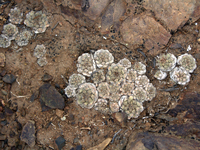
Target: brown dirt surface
<point>134,29</point>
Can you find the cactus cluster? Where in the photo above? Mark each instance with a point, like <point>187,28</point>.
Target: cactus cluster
<point>179,69</point>
<point>113,86</point>
<point>35,20</point>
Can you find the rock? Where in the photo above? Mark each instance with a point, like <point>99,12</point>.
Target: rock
<point>184,129</point>
<point>2,60</point>
<point>102,145</point>
<point>47,77</point>
<point>4,92</point>
<point>93,8</point>
<point>189,105</point>
<point>28,133</point>
<point>60,141</point>
<point>8,111</point>
<point>3,123</point>
<point>78,147</point>
<point>1,83</point>
<point>145,30</point>
<point>9,78</point>
<point>121,117</point>
<point>174,13</point>
<point>198,40</point>
<point>147,141</point>
<point>2,116</point>
<point>34,96</point>
<point>196,13</point>
<point>112,16</point>
<point>3,73</point>
<point>50,98</point>
<point>75,140</point>
<point>59,113</point>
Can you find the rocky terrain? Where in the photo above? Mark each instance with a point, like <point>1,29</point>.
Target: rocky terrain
<point>41,42</point>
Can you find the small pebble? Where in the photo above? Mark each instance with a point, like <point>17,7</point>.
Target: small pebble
<point>198,40</point>
<point>46,77</point>
<point>9,78</point>
<point>60,141</point>
<point>3,73</point>
<point>63,118</point>
<point>50,98</point>
<point>34,96</point>
<point>4,92</point>
<point>3,123</point>
<point>121,117</point>
<point>1,84</point>
<point>57,86</point>
<point>59,113</point>
<point>75,140</point>
<point>2,116</point>
<point>8,111</point>
<point>23,112</point>
<point>79,147</point>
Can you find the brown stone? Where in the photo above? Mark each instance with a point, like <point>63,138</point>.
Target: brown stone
<point>112,15</point>
<point>190,105</point>
<point>145,30</point>
<point>147,141</point>
<point>59,113</point>
<point>173,13</point>
<point>121,117</point>
<point>196,14</point>
<point>50,98</point>
<point>95,8</point>
<point>28,133</point>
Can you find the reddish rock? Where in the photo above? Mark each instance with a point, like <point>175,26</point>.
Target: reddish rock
<point>187,129</point>
<point>143,29</point>
<point>95,8</point>
<point>196,14</point>
<point>150,141</point>
<point>173,13</point>
<point>112,15</point>
<point>189,105</point>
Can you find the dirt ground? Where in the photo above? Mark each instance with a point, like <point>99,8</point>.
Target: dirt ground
<point>73,31</point>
